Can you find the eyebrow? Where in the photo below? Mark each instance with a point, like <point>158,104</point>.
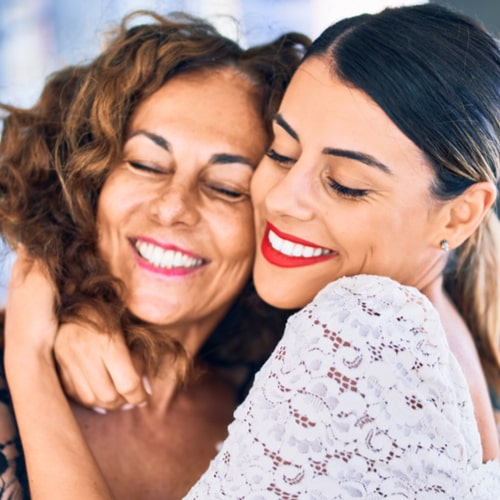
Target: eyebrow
<point>219,158</point>
<point>356,155</point>
<point>344,153</point>
<point>157,139</point>
<point>226,159</point>
<point>286,126</point>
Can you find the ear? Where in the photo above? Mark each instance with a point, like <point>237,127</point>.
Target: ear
<point>467,211</point>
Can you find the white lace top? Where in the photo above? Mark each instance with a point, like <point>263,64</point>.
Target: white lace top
<point>362,398</point>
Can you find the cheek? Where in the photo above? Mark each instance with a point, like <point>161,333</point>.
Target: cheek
<point>121,196</point>
<point>119,204</point>
<point>264,179</point>
<point>236,240</point>
<point>244,237</point>
<point>109,211</point>
<point>256,185</point>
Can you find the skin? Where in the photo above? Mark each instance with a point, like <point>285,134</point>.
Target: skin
<point>315,202</point>
<point>338,163</point>
<point>183,184</point>
<point>308,187</point>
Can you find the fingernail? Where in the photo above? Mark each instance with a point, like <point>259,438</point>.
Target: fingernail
<point>127,406</point>
<point>100,410</point>
<point>147,385</point>
<point>142,405</point>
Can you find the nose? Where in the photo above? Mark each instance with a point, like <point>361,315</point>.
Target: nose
<point>177,203</point>
<point>293,194</point>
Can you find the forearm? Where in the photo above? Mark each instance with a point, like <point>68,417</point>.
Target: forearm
<point>59,463</point>
<point>58,459</point>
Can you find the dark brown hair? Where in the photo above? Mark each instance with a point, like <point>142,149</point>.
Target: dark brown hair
<point>436,74</point>
<point>56,156</point>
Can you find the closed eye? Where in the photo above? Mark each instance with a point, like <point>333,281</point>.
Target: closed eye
<point>146,168</point>
<point>227,192</point>
<point>347,192</point>
<point>275,156</point>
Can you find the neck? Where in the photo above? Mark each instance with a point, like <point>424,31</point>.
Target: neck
<point>164,388</point>
<point>165,383</point>
<point>430,281</point>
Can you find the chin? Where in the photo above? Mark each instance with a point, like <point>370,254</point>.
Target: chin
<point>159,314</point>
<point>278,296</point>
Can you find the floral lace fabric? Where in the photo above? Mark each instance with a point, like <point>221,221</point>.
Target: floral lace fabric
<point>362,398</point>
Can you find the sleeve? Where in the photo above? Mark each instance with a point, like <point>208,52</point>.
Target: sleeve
<point>13,482</point>
<point>360,399</point>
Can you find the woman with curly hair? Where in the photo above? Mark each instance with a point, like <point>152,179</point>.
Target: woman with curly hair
<point>374,215</point>
<point>129,182</point>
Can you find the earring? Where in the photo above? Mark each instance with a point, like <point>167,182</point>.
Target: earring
<point>444,245</point>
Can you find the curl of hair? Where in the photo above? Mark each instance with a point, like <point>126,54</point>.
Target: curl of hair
<point>436,74</point>
<point>56,156</point>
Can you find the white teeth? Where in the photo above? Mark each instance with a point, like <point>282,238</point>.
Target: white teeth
<point>308,252</point>
<point>275,241</point>
<point>287,247</point>
<point>166,259</point>
<point>298,250</point>
<point>295,249</point>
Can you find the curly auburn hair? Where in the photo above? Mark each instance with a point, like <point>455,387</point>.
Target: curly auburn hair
<point>56,156</point>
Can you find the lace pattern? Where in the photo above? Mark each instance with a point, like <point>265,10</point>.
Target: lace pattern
<point>362,398</point>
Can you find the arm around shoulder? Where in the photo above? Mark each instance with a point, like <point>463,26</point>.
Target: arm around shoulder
<point>58,461</point>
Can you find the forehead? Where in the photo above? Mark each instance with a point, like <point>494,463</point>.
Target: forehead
<point>328,112</point>
<point>315,86</point>
<point>219,105</point>
<point>196,92</point>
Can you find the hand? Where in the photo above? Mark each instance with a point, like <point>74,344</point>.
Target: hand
<point>96,369</point>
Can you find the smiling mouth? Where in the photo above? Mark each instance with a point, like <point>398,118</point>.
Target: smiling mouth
<point>284,250</point>
<point>166,258</point>
<point>292,249</point>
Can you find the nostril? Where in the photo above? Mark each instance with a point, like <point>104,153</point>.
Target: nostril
<point>176,206</point>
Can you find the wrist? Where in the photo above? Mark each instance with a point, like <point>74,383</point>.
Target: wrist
<point>26,360</point>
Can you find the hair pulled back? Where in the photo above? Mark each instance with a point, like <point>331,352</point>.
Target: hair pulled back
<point>436,74</point>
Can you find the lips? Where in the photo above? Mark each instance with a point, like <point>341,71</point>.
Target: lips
<point>165,259</point>
<point>285,250</point>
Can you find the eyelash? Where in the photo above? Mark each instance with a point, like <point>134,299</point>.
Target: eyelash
<point>283,160</point>
<point>229,193</point>
<point>145,168</point>
<point>341,190</point>
<point>347,192</point>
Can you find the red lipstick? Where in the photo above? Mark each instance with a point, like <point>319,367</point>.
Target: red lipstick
<point>280,259</point>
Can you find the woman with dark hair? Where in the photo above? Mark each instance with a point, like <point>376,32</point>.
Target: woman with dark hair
<point>384,163</point>
<point>373,212</point>
<point>129,181</point>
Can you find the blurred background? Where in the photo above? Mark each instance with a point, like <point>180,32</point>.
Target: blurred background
<point>39,36</point>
